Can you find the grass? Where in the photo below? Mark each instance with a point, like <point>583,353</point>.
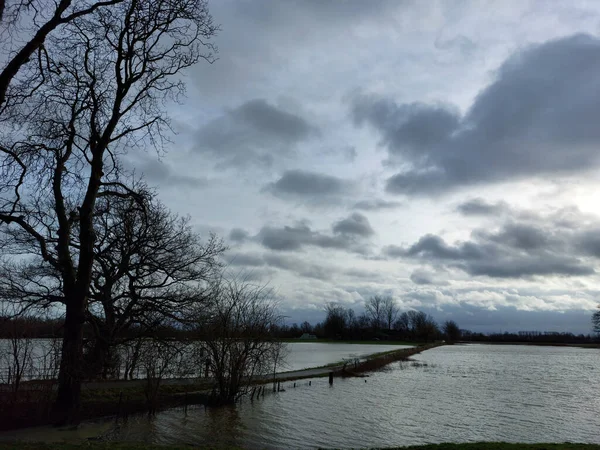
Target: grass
<point>140,446</point>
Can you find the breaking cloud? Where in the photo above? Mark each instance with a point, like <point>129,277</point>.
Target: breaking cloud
<point>355,224</point>
<point>312,187</point>
<point>255,133</point>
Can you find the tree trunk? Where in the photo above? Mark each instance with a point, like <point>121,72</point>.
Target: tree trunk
<point>66,406</point>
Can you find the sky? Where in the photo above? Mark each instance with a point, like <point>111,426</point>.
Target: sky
<point>445,153</point>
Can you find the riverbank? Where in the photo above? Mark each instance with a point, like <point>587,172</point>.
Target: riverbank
<point>445,446</point>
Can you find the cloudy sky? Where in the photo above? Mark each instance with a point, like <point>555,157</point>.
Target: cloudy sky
<point>446,153</point>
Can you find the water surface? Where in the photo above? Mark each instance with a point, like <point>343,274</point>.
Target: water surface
<point>454,393</point>
<point>304,355</point>
<point>460,393</point>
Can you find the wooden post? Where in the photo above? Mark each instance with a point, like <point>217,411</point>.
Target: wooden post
<point>278,386</point>
<point>294,384</point>
<point>185,403</point>
<point>309,383</point>
<point>330,378</point>
<point>120,406</point>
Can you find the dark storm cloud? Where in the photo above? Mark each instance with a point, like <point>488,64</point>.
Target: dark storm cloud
<point>407,129</point>
<point>238,235</point>
<point>298,266</point>
<point>426,277</point>
<point>394,251</point>
<point>254,133</point>
<point>162,173</point>
<point>588,242</point>
<point>287,237</point>
<point>247,259</point>
<point>347,234</point>
<point>480,207</point>
<point>520,236</point>
<point>376,205</point>
<point>310,186</point>
<point>356,224</point>
<point>538,117</point>
<point>266,263</point>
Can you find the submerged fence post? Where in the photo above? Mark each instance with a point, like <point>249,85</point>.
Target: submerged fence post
<point>330,378</point>
<point>119,414</point>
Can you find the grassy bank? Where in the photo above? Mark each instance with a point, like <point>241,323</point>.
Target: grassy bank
<point>140,446</point>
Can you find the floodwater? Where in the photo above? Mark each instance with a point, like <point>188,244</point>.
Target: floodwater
<point>304,355</point>
<point>297,356</point>
<point>460,393</point>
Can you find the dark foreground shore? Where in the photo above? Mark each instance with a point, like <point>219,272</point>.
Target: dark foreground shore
<point>448,446</point>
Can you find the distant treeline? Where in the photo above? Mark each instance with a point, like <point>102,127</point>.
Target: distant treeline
<point>549,337</point>
<point>340,323</point>
<point>381,320</point>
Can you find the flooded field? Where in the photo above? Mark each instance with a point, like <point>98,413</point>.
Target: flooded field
<point>459,393</point>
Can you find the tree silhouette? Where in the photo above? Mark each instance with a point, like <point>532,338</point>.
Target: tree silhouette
<point>100,92</point>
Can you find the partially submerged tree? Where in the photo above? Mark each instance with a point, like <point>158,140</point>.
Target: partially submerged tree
<point>103,83</point>
<point>150,267</point>
<point>235,331</point>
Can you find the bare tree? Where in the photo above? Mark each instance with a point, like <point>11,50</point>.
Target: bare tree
<point>236,332</point>
<point>159,360</point>
<point>375,310</point>
<point>35,19</point>
<point>16,353</point>
<point>149,266</point>
<point>596,321</point>
<point>390,311</point>
<point>452,331</point>
<point>336,320</point>
<point>104,82</point>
